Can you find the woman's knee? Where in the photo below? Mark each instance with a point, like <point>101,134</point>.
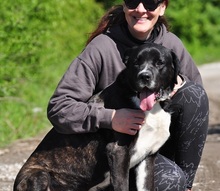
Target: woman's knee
<point>191,93</point>
<point>190,101</point>
<point>168,176</point>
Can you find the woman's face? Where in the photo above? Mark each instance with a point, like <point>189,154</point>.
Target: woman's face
<point>141,21</point>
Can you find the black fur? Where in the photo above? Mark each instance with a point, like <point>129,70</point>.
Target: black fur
<point>78,162</point>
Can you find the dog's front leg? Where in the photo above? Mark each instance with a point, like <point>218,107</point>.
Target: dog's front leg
<point>145,174</point>
<point>118,159</point>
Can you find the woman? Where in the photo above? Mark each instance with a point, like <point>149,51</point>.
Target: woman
<point>131,24</point>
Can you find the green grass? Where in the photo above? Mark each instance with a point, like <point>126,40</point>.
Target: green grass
<point>24,115</point>
<point>50,34</point>
<point>42,40</point>
<point>21,120</point>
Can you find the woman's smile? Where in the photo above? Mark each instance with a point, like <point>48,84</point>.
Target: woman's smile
<point>140,19</point>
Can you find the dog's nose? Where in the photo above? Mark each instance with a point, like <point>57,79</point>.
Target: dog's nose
<point>145,76</point>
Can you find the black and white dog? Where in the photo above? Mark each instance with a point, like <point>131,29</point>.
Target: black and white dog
<point>107,160</point>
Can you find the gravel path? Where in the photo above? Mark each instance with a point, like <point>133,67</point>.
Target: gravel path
<point>207,178</point>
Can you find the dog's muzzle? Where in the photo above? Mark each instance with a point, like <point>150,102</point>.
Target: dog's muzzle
<point>146,77</point>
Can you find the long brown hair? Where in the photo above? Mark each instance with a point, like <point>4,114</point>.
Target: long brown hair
<point>115,16</point>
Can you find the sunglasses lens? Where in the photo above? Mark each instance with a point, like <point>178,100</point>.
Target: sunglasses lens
<point>149,5</point>
<point>132,4</point>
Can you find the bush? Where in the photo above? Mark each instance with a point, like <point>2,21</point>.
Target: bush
<point>38,40</point>
<point>197,24</point>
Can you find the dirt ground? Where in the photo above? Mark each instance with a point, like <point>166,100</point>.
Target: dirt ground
<point>208,174</point>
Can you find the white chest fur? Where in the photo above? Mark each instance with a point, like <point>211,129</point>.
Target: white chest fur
<point>152,135</point>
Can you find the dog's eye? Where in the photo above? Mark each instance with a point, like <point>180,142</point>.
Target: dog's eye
<point>159,64</point>
<point>135,63</point>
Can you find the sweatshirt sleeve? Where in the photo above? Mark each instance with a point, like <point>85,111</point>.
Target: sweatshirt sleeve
<point>188,67</point>
<point>68,110</point>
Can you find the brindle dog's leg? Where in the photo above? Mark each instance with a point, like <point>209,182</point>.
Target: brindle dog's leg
<point>104,185</point>
<point>117,152</point>
<point>119,161</point>
<point>38,180</point>
<point>118,177</point>
<point>119,167</point>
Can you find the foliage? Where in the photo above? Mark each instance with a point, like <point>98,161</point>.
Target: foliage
<point>196,23</point>
<point>108,3</point>
<point>38,40</point>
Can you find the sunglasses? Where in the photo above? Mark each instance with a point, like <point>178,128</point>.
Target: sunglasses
<point>149,5</point>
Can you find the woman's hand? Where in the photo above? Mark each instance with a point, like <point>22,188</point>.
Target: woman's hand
<point>127,121</point>
<point>180,83</point>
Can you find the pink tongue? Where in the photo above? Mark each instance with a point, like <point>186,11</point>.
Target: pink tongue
<point>147,100</point>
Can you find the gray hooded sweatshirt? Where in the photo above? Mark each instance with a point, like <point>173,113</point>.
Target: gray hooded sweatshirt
<point>94,69</point>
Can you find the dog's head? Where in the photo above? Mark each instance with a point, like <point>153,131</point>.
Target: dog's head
<point>152,72</point>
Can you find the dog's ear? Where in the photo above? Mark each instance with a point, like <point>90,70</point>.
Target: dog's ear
<point>175,65</point>
<point>127,54</point>
<point>130,55</point>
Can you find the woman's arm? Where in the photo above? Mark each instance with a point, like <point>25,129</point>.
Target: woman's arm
<point>67,108</point>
